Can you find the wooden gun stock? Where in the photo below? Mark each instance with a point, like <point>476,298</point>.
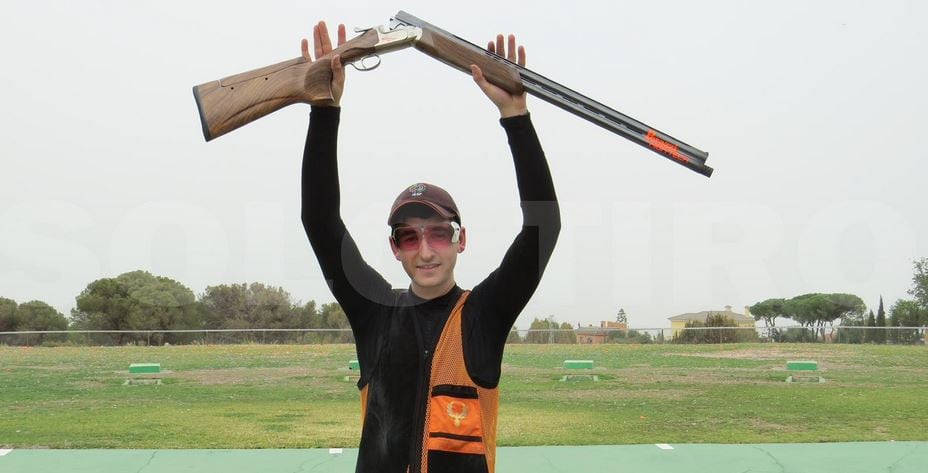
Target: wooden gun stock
<point>234,101</point>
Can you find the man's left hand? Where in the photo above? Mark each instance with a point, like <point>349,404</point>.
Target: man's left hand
<point>509,105</point>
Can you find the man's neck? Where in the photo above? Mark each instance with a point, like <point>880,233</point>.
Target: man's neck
<point>429,293</point>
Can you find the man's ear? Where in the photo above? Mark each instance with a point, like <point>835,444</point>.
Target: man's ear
<point>462,240</point>
<point>393,247</point>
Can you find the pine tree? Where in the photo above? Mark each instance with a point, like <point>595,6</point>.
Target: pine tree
<point>621,317</point>
<point>870,334</point>
<point>881,322</point>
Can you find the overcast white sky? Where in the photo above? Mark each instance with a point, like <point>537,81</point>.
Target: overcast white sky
<point>812,112</point>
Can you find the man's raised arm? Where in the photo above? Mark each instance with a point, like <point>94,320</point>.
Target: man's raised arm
<point>497,301</point>
<point>355,285</point>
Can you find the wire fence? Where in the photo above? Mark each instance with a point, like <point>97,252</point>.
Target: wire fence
<point>176,337</point>
<point>582,336</point>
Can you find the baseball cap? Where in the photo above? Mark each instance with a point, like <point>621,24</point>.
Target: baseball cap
<point>429,195</point>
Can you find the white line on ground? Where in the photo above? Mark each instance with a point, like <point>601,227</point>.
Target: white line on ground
<point>4,451</point>
<point>663,446</point>
<point>335,451</point>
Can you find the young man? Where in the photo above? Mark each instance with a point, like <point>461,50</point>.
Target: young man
<point>430,356</point>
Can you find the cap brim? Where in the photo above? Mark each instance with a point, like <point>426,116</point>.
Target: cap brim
<point>438,209</point>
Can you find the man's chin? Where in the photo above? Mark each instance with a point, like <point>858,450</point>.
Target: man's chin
<point>426,283</point>
<point>427,277</point>
<point>429,283</point>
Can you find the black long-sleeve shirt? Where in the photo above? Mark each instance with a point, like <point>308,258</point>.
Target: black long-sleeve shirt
<point>395,331</point>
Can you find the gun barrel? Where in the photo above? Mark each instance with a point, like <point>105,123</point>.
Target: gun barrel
<point>615,121</point>
<point>578,104</point>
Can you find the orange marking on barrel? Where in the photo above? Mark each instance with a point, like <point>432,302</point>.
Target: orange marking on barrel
<point>665,147</point>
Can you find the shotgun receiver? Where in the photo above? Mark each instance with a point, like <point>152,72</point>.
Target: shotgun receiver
<point>234,101</point>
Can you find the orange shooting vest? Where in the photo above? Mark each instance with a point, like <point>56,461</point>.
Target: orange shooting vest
<point>460,415</point>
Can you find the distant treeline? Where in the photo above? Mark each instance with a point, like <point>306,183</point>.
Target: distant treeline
<point>139,300</point>
<point>816,311</point>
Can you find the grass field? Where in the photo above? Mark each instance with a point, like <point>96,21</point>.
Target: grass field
<point>288,396</point>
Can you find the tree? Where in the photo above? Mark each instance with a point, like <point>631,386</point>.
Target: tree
<point>722,334</point>
<point>514,336</point>
<point>815,310</point>
<point>304,316</point>
<point>105,305</point>
<point>621,317</point>
<point>225,306</point>
<point>853,335</point>
<point>544,331</point>
<point>908,313</point>
<point>920,282</point>
<point>566,334</point>
<point>629,336</point>
<point>768,311</point>
<point>912,312</point>
<point>870,333</point>
<point>699,336</point>
<point>805,309</point>
<point>846,307</point>
<point>137,300</point>
<point>7,315</point>
<point>37,316</point>
<point>880,324</point>
<point>271,308</point>
<point>333,317</point>
<point>253,306</point>
<point>537,337</point>
<point>617,336</point>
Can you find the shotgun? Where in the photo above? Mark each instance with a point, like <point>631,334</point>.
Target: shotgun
<point>234,101</point>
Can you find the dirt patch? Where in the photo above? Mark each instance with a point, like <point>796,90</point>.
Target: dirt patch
<point>764,426</point>
<point>39,368</point>
<point>770,354</point>
<point>745,354</point>
<point>647,375</point>
<point>580,395</point>
<point>881,430</point>
<point>700,376</point>
<point>89,384</point>
<point>242,375</point>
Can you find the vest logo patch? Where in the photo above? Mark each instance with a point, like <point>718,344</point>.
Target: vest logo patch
<point>454,425</point>
<point>457,413</point>
<point>457,417</point>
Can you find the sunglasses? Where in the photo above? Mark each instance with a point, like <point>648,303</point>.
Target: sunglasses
<point>438,236</point>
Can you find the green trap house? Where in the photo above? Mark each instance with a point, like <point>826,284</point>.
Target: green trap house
<point>573,365</point>
<point>803,371</point>
<point>144,373</point>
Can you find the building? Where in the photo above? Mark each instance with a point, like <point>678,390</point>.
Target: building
<point>678,322</point>
<point>595,335</point>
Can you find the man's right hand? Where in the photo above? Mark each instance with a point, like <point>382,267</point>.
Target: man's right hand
<point>323,46</point>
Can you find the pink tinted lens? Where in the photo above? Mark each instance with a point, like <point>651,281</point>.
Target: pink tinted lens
<point>406,238</point>
<point>437,236</point>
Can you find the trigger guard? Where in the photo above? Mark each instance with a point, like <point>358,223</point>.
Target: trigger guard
<point>363,66</point>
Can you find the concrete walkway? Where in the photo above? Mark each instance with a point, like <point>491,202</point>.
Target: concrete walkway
<point>869,457</point>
